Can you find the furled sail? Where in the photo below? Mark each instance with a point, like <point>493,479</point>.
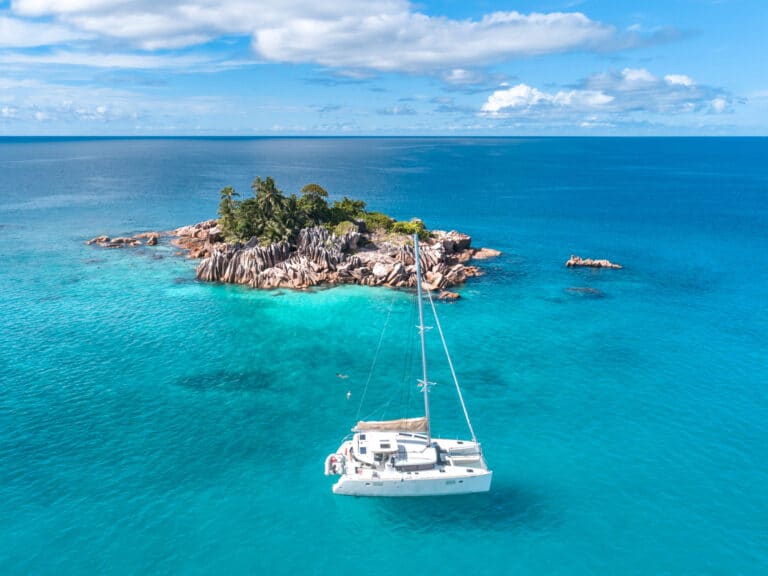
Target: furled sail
<point>400,425</point>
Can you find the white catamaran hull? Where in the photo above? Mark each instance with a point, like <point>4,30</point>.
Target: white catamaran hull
<point>409,486</point>
<point>448,467</point>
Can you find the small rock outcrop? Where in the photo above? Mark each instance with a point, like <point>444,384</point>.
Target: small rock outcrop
<point>575,261</point>
<point>119,242</point>
<point>485,253</point>
<point>200,240</point>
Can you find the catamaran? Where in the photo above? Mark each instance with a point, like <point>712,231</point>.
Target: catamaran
<point>401,457</point>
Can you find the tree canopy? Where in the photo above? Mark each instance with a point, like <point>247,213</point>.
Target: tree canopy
<point>271,216</point>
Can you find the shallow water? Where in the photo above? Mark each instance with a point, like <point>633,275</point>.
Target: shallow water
<point>153,424</point>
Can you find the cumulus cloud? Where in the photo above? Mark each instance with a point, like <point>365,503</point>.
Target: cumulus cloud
<point>616,94</point>
<point>678,79</point>
<point>378,35</point>
<point>402,40</point>
<point>523,97</point>
<point>636,77</point>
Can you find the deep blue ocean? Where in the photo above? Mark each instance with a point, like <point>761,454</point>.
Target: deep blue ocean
<point>151,424</point>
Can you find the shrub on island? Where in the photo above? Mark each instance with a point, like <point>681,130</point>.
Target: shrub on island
<point>415,226</point>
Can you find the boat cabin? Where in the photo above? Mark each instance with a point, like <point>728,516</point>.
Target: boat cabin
<point>398,450</point>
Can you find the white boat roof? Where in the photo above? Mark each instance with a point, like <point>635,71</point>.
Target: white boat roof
<point>380,441</point>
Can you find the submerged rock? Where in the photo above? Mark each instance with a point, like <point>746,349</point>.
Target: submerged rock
<point>450,296</point>
<point>585,291</point>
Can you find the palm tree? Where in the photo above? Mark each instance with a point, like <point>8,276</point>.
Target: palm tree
<point>227,211</point>
<point>293,218</point>
<point>268,197</point>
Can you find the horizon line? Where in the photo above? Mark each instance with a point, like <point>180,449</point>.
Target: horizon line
<point>355,136</point>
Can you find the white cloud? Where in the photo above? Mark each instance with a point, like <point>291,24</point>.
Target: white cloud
<point>460,76</point>
<point>42,7</point>
<point>18,33</point>
<point>719,104</point>
<point>623,94</point>
<point>381,35</point>
<point>522,97</point>
<point>582,99</point>
<point>407,41</point>
<point>109,60</point>
<point>679,80</point>
<point>635,77</point>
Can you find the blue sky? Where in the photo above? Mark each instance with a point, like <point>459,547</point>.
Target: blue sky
<point>383,67</point>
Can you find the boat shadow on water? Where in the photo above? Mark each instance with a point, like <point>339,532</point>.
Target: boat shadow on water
<point>506,507</point>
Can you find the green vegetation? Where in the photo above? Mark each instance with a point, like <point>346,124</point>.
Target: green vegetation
<point>415,226</point>
<point>377,222</point>
<point>344,227</point>
<point>271,216</point>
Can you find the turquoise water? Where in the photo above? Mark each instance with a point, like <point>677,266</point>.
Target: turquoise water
<point>152,424</point>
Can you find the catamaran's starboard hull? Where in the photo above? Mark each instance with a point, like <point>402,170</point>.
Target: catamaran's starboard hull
<point>403,486</point>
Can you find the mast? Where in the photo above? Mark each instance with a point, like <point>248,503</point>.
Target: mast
<point>424,382</point>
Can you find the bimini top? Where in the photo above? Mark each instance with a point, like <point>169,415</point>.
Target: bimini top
<point>400,425</point>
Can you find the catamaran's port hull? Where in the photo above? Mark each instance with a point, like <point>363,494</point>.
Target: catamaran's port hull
<point>409,486</point>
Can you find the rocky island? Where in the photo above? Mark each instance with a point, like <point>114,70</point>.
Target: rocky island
<point>578,261</point>
<point>274,241</point>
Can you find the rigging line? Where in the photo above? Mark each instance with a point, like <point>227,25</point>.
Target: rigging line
<point>450,365</point>
<point>375,356</point>
<point>406,377</point>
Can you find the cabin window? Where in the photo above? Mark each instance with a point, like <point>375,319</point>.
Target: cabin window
<point>363,450</point>
<point>362,436</point>
<point>384,445</point>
